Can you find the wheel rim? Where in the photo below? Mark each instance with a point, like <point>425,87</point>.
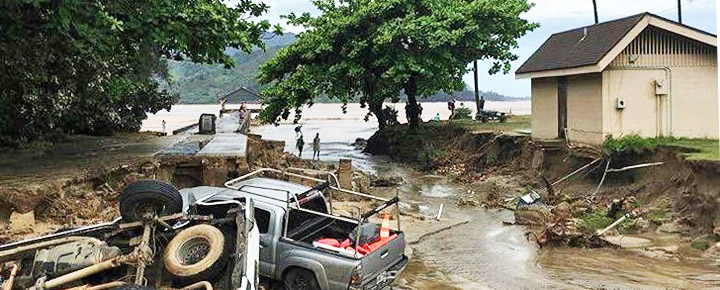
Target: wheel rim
<point>150,209</point>
<point>193,251</point>
<point>300,283</point>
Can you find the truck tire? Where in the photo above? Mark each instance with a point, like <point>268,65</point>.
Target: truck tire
<point>197,253</point>
<point>152,196</point>
<point>300,279</point>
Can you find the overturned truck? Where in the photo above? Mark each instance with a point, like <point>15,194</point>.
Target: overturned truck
<point>216,238</point>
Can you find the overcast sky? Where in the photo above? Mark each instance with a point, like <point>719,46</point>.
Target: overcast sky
<point>553,16</point>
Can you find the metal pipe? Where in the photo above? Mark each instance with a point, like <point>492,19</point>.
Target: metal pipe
<point>199,285</point>
<point>4,255</point>
<point>85,272</point>
<point>140,271</point>
<point>109,285</point>
<point>13,272</point>
<point>575,172</point>
<point>635,167</point>
<point>611,226</point>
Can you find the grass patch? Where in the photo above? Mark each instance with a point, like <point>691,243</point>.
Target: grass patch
<point>701,245</point>
<point>513,124</point>
<point>658,216</point>
<point>593,221</point>
<point>596,220</point>
<point>699,149</point>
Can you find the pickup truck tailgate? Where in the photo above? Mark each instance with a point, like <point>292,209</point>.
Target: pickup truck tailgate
<point>382,260</point>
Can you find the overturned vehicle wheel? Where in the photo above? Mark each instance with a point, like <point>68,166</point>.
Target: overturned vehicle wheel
<point>147,198</point>
<point>196,253</point>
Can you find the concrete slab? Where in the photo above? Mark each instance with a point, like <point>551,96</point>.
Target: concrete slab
<point>627,242</point>
<point>225,144</point>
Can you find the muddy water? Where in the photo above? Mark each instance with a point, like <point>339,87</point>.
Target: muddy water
<point>481,254</point>
<point>486,254</point>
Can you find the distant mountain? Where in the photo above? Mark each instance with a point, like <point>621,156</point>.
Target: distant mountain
<point>202,84</point>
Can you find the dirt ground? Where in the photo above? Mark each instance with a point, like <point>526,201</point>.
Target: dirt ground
<point>477,177</point>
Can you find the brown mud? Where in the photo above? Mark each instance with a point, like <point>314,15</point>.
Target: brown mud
<point>674,207</point>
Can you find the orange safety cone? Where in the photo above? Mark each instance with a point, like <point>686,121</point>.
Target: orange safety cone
<point>385,226</point>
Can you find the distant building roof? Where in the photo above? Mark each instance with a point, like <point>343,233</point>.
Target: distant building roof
<point>588,45</point>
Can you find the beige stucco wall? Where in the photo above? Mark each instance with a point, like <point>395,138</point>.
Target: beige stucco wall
<point>642,114</point>
<point>544,108</point>
<point>584,109</point>
<point>695,102</point>
<point>694,97</point>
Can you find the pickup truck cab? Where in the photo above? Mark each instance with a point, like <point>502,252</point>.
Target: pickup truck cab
<point>292,217</point>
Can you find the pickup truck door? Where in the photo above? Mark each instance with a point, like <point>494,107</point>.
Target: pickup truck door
<point>269,225</point>
<point>251,253</point>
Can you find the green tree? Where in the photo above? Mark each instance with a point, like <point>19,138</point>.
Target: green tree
<point>96,66</point>
<point>375,49</point>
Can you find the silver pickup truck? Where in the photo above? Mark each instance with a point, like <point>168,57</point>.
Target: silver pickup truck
<point>291,217</point>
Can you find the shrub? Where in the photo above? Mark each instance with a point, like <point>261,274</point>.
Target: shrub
<point>633,143</point>
<point>593,221</point>
<point>463,113</point>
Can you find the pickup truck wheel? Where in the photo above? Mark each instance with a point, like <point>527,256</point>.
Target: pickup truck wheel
<point>300,279</point>
<point>196,254</point>
<point>149,197</point>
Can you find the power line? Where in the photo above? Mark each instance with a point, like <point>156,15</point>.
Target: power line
<point>682,5</point>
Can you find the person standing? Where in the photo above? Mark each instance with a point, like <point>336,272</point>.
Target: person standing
<point>451,107</point>
<point>299,142</point>
<point>482,103</point>
<point>316,146</point>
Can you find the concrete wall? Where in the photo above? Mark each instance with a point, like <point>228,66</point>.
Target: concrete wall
<point>584,109</point>
<point>544,108</point>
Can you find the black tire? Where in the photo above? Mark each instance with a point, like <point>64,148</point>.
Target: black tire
<point>144,196</point>
<point>197,253</point>
<point>300,279</point>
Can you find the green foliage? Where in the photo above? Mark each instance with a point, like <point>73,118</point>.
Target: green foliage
<point>629,143</point>
<point>700,245</point>
<point>427,156</point>
<point>597,220</point>
<point>97,66</point>
<point>659,216</point>
<point>705,149</point>
<point>371,50</point>
<point>463,113</point>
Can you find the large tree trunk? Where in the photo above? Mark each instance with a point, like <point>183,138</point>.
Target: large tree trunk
<point>376,109</point>
<point>413,110</point>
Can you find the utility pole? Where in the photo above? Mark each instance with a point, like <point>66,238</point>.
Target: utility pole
<point>477,92</point>
<point>595,10</point>
<point>679,12</point>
